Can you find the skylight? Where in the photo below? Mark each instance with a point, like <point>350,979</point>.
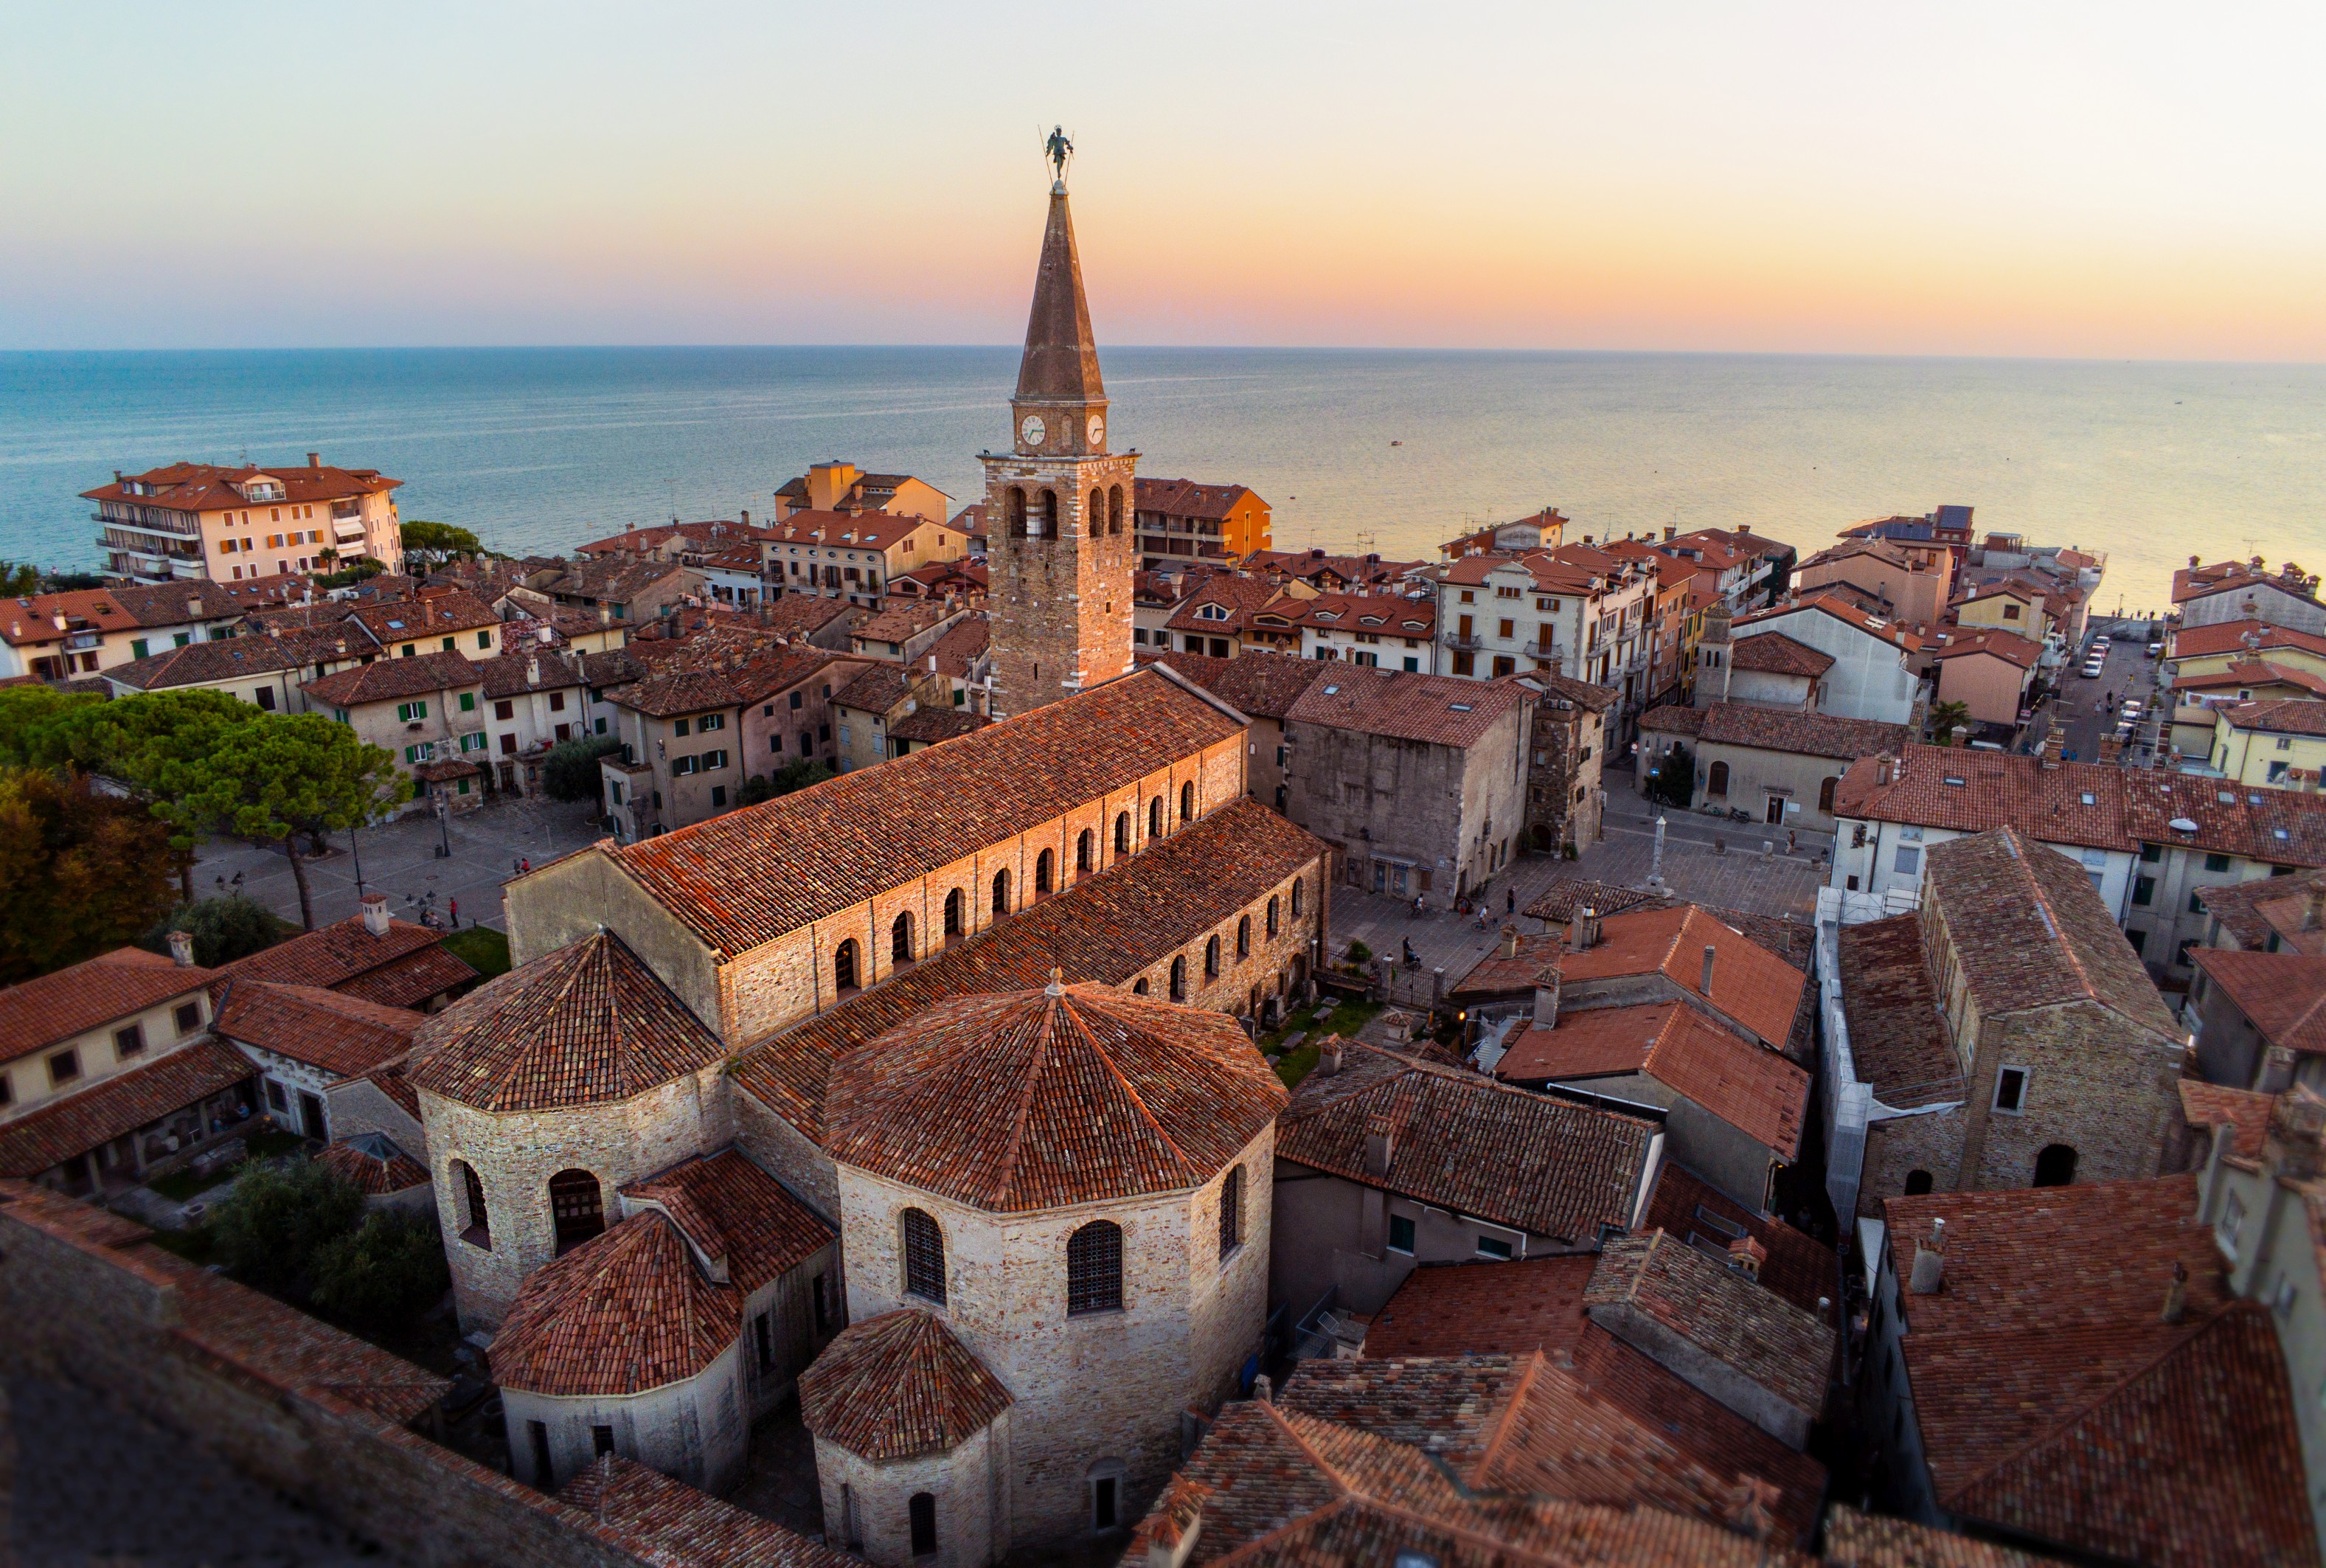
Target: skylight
<point>1958,783</point>
<point>1457,707</point>
<point>2089,798</point>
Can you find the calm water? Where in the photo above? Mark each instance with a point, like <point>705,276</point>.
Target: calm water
<point>540,449</point>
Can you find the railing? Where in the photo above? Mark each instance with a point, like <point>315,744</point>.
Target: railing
<point>191,528</point>
<point>1463,642</point>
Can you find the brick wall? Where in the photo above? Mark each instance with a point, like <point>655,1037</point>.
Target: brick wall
<point>2095,1084</point>
<point>1059,605</point>
<point>868,1507</point>
<point>1276,965</point>
<point>1900,1145</point>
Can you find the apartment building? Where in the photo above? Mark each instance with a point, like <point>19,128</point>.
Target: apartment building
<point>90,630</point>
<point>199,521</point>
<point>842,487</point>
<point>1575,611</point>
<point>1183,520</point>
<point>1376,630</point>
<point>855,555</point>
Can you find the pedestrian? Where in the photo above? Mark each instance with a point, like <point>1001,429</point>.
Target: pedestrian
<point>1412,959</point>
<point>1420,906</point>
<point>455,904</point>
<point>526,864</point>
<point>515,866</point>
<point>1793,841</point>
<point>1511,899</point>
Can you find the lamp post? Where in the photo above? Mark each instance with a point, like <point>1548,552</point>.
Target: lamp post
<point>356,845</point>
<point>444,818</point>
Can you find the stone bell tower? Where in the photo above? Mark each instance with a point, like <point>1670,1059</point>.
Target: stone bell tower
<point>1059,503</point>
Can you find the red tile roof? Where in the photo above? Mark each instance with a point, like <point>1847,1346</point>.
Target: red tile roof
<point>2255,674</point>
<point>1855,1540</point>
<point>1032,1100</point>
<point>88,994</point>
<point>1186,498</point>
<point>121,1104</point>
<point>899,1386</point>
<point>2008,646</point>
<point>1779,730</point>
<point>1989,789</point>
<point>2282,994</point>
<point>390,679</point>
<point>1436,710</point>
<point>189,486</point>
<point>587,1024</point>
<point>2277,718</point>
<point>431,618</point>
<point>1798,1267</point>
<point>1839,609</point>
<point>326,1029</point>
<point>1470,1144</point>
<point>1751,985</point>
<point>736,1212</point>
<point>736,881</point>
<point>2229,636</point>
<point>625,1311</point>
<point>867,530</point>
<point>2245,1113</point>
<point>1259,684</point>
<point>670,1525</point>
<point>1717,1311</point>
<point>374,1164</point>
<point>1743,1083</point>
<point>1890,1007</point>
<point>1774,653</point>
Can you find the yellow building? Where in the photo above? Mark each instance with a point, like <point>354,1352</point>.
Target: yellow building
<point>1193,522</point>
<point>842,487</point>
<point>196,520</point>
<point>2279,744</point>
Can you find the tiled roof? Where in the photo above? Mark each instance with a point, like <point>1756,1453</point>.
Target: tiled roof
<point>1774,653</point>
<point>1564,691</point>
<point>374,1164</point>
<point>866,531</point>
<point>1798,1267</point>
<point>1896,1041</point>
<point>2054,1400</point>
<point>234,659</point>
<point>390,679</point>
<point>2229,637</point>
<point>1804,735</point>
<point>1855,1540</point>
<point>124,606</point>
<point>1261,684</point>
<point>2277,718</point>
<point>2030,930</point>
<point>1434,709</point>
<point>1559,902</point>
<point>411,980</point>
<point>1989,789</point>
<point>930,723</point>
<point>1496,976</point>
<point>1719,1312</point>
<point>2008,646</point>
<point>1497,1154</point>
<point>190,487</point>
<point>1751,985</point>
<point>505,676</point>
<point>803,614</point>
<point>733,1210</point>
<point>2234,576</point>
<point>715,674</point>
<point>326,1029</point>
<point>1841,610</point>
<point>616,580</point>
<point>1743,1083</point>
<point>1033,1100</point>
<point>962,646</point>
<point>2282,994</point>
<point>900,622</point>
<point>434,617</point>
<point>2279,826</point>
<point>670,1525</point>
<point>1233,591</point>
<point>1878,549</point>
<point>94,992</point>
<point>1186,498</point>
<point>626,1311</point>
<point>587,1024</point>
<point>874,690</point>
<point>1390,614</point>
<point>899,1386</point>
<point>1105,929</point>
<point>735,882</point>
<point>2255,674</point>
<point>2245,1113</point>
<point>2292,909</point>
<point>121,1104</point>
<point>1671,719</point>
<point>391,1081</point>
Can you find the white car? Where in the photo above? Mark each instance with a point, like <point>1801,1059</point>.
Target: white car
<point>2094,671</point>
<point>2132,710</point>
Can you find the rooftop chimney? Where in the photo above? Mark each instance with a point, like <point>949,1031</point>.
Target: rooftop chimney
<point>314,460</point>
<point>375,914</point>
<point>532,669</point>
<point>1546,997</point>
<point>2176,1295</point>
<point>1746,1255</point>
<point>747,517</point>
<point>2276,1070</point>
<point>1930,1262</point>
<point>1710,953</point>
<point>1881,771</point>
<point>1509,941</point>
<point>181,949</point>
<point>1380,1143</point>
<point>1330,1059</point>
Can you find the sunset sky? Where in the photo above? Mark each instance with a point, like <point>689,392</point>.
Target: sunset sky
<point>2117,181</point>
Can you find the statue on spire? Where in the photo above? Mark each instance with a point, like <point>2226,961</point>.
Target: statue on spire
<point>1058,150</point>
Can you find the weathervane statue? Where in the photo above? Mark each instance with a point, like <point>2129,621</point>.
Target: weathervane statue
<point>1058,150</point>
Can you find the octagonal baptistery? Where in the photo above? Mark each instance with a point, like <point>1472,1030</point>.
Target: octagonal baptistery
<point>1074,1182</point>
<point>545,1092</point>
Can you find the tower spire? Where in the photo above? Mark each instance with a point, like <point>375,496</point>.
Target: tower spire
<point>1061,361</point>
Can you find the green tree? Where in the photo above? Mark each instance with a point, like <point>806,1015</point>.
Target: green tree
<point>81,872</point>
<point>155,743</point>
<point>269,1229</point>
<point>568,770</point>
<point>227,927</point>
<point>1944,717</point>
<point>797,774</point>
<point>19,580</point>
<point>34,731</point>
<point>385,1273</point>
<point>1675,777</point>
<point>73,582</point>
<point>439,540</point>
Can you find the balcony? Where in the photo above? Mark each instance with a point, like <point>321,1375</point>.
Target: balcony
<point>347,530</point>
<point>1463,642</point>
<point>191,528</point>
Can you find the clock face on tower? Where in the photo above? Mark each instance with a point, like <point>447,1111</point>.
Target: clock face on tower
<point>1032,431</point>
<point>1097,431</point>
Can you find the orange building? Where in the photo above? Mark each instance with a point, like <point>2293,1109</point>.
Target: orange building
<point>198,521</point>
<point>1180,520</point>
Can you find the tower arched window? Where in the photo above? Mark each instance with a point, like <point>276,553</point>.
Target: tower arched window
<point>1016,503</point>
<point>1138,986</point>
<point>921,1515</point>
<point>1122,832</point>
<point>1180,979</point>
<point>924,1268</point>
<point>1045,874</point>
<point>1272,903</point>
<point>476,1225</point>
<point>1232,1210</point>
<point>900,939</point>
<point>1296,900</point>
<point>1155,817</point>
<point>576,1207</point>
<point>1115,510</point>
<point>1047,516</point>
<point>1095,1269</point>
<point>952,915</point>
<point>1187,801</point>
<point>1086,850</point>
<point>844,967</point>
<point>1000,893</point>
<point>1097,514</point>
<point>1244,938</point>
<point>1211,959</point>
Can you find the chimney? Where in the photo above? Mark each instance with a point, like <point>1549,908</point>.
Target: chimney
<point>1591,927</point>
<point>605,615</point>
<point>1546,997</point>
<point>1329,1058</point>
<point>2276,1070</point>
<point>1710,953</point>
<point>1746,1255</point>
<point>2176,1295</point>
<point>1509,941</point>
<point>747,517</point>
<point>1671,530</point>
<point>1881,766</point>
<point>375,914</point>
<point>314,460</point>
<point>1261,1389</point>
<point>182,949</point>
<point>1380,1143</point>
<point>194,608</point>
<point>1930,1262</point>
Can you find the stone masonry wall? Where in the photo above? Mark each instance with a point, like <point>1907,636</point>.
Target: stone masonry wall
<point>1273,965</point>
<point>1060,607</point>
<point>2095,1083</point>
<point>693,1430</point>
<point>1899,1145</point>
<point>970,1487</point>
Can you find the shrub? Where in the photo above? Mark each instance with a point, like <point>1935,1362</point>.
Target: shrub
<point>227,927</point>
<point>1359,953</point>
<point>269,1229</point>
<point>384,1274</point>
<point>797,774</point>
<point>570,770</point>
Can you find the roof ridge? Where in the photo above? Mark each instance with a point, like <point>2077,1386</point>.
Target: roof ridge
<point>1154,1123</point>
<point>1530,1366</point>
<point>1008,1174</point>
<point>2051,918</point>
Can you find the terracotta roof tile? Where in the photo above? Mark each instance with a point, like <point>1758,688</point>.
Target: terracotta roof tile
<point>1560,901</point>
<point>83,995</point>
<point>333,956</point>
<point>2277,718</point>
<point>434,617</point>
<point>899,1386</point>
<point>1719,1312</point>
<point>587,1024</point>
<point>411,980</point>
<point>734,883</point>
<point>930,723</point>
<point>962,646</point>
<point>1498,1153</point>
<point>374,1164</point>
<point>2245,1113</point>
<point>390,679</point>
<point>1798,1267</point>
<point>121,1104</point>
<point>1896,1040</point>
<point>1187,497</point>
<point>875,690</point>
<point>2008,646</point>
<point>1839,608</point>
<point>234,658</point>
<point>2229,636</point>
<point>1261,684</point>
<point>1782,729</point>
<point>2282,994</point>
<point>1434,709</point>
<point>1752,986</point>
<point>1855,1540</point>
<point>1774,653</point>
<point>1746,1084</point>
<point>391,1081</point>
<point>671,1525</point>
<point>206,486</point>
<point>1029,1100</point>
<point>505,676</point>
<point>735,1211</point>
<point>326,1029</point>
<point>626,1311</point>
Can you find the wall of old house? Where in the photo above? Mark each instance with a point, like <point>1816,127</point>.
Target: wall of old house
<point>583,894</point>
<point>1898,1146</point>
<point>694,1431</point>
<point>1755,775</point>
<point>1447,817</point>
<point>867,1503</point>
<point>2095,1083</point>
<point>1566,794</point>
<point>771,739</point>
<point>357,1105</point>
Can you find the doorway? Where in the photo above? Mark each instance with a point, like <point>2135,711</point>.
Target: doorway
<point>311,1117</point>
<point>1776,810</point>
<point>2055,1166</point>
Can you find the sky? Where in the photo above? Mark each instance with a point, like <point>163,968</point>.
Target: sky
<point>2123,181</point>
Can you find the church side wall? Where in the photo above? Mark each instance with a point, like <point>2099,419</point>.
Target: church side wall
<point>1277,966</point>
<point>573,898</point>
<point>694,1431</point>
<point>868,1506</point>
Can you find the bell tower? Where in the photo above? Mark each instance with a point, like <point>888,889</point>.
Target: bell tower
<point>1059,503</point>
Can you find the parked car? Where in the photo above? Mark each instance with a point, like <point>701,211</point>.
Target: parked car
<point>2156,650</point>
<point>2094,671</point>
<point>2132,710</point>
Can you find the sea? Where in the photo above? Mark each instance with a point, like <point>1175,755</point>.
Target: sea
<point>1356,449</point>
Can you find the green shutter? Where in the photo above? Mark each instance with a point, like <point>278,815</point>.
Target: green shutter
<point>468,702</point>
<point>137,648</point>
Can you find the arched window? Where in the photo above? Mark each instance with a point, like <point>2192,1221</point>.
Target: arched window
<point>1155,817</point>
<point>1000,893</point>
<point>476,1229</point>
<point>575,1207</point>
<point>1017,512</point>
<point>1824,796</point>
<point>1917,1183</point>
<point>843,967</point>
<point>2055,1166</point>
<point>1086,850</point>
<point>1180,979</point>
<point>1232,1210</point>
<point>1272,902</point>
<point>1115,510</point>
<point>1095,1269</point>
<point>922,1511</point>
<point>1188,802</point>
<point>1716,779</point>
<point>1097,514</point>
<point>1139,987</point>
<point>1048,516</point>
<point>1043,873</point>
<point>1211,959</point>
<point>900,939</point>
<point>1244,938</point>
<point>952,915</point>
<point>1296,900</point>
<point>1122,832</point>
<point>924,1269</point>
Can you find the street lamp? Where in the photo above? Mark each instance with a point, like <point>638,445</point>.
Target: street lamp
<point>356,845</point>
<point>443,816</point>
